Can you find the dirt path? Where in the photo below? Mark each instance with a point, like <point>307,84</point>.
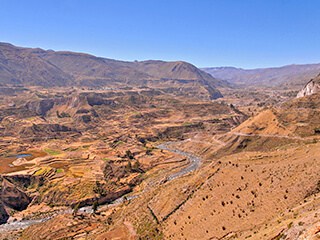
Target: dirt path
<point>265,135</point>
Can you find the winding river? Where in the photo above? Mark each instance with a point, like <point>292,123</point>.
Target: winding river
<point>194,161</point>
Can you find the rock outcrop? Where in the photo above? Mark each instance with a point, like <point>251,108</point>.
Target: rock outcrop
<point>13,195</point>
<point>312,87</point>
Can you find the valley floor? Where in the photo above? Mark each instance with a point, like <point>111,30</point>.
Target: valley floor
<point>132,165</point>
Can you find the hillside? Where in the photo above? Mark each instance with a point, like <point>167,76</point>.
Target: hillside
<point>290,76</point>
<point>21,66</point>
<point>37,67</point>
<point>258,181</point>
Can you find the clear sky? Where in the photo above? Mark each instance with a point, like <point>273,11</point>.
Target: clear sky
<point>241,33</point>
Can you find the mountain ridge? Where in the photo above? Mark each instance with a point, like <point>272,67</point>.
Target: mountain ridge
<point>48,68</point>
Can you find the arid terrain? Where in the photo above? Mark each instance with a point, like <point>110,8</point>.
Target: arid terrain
<point>94,148</point>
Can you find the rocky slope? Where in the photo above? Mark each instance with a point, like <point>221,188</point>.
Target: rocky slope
<point>37,67</point>
<point>291,76</point>
<point>312,87</point>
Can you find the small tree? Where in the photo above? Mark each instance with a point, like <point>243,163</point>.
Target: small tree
<point>99,189</point>
<point>109,220</point>
<point>129,167</point>
<point>149,151</point>
<point>129,154</point>
<point>95,206</point>
<point>75,209</point>
<point>136,167</point>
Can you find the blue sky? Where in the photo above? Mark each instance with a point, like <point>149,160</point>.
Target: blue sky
<point>241,33</point>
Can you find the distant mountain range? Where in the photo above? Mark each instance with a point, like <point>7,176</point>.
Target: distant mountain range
<point>47,68</point>
<point>290,76</point>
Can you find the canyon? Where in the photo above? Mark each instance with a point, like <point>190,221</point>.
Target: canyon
<point>95,148</point>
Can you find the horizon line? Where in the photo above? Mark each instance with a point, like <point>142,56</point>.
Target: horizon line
<point>154,59</point>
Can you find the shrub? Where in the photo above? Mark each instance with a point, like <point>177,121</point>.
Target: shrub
<point>317,130</point>
<point>95,206</point>
<point>76,209</point>
<point>129,154</point>
<point>63,115</point>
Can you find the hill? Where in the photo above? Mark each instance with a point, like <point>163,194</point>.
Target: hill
<point>21,66</point>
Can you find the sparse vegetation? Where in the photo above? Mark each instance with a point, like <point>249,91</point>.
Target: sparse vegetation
<point>63,115</point>
<point>52,152</point>
<point>269,160</point>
